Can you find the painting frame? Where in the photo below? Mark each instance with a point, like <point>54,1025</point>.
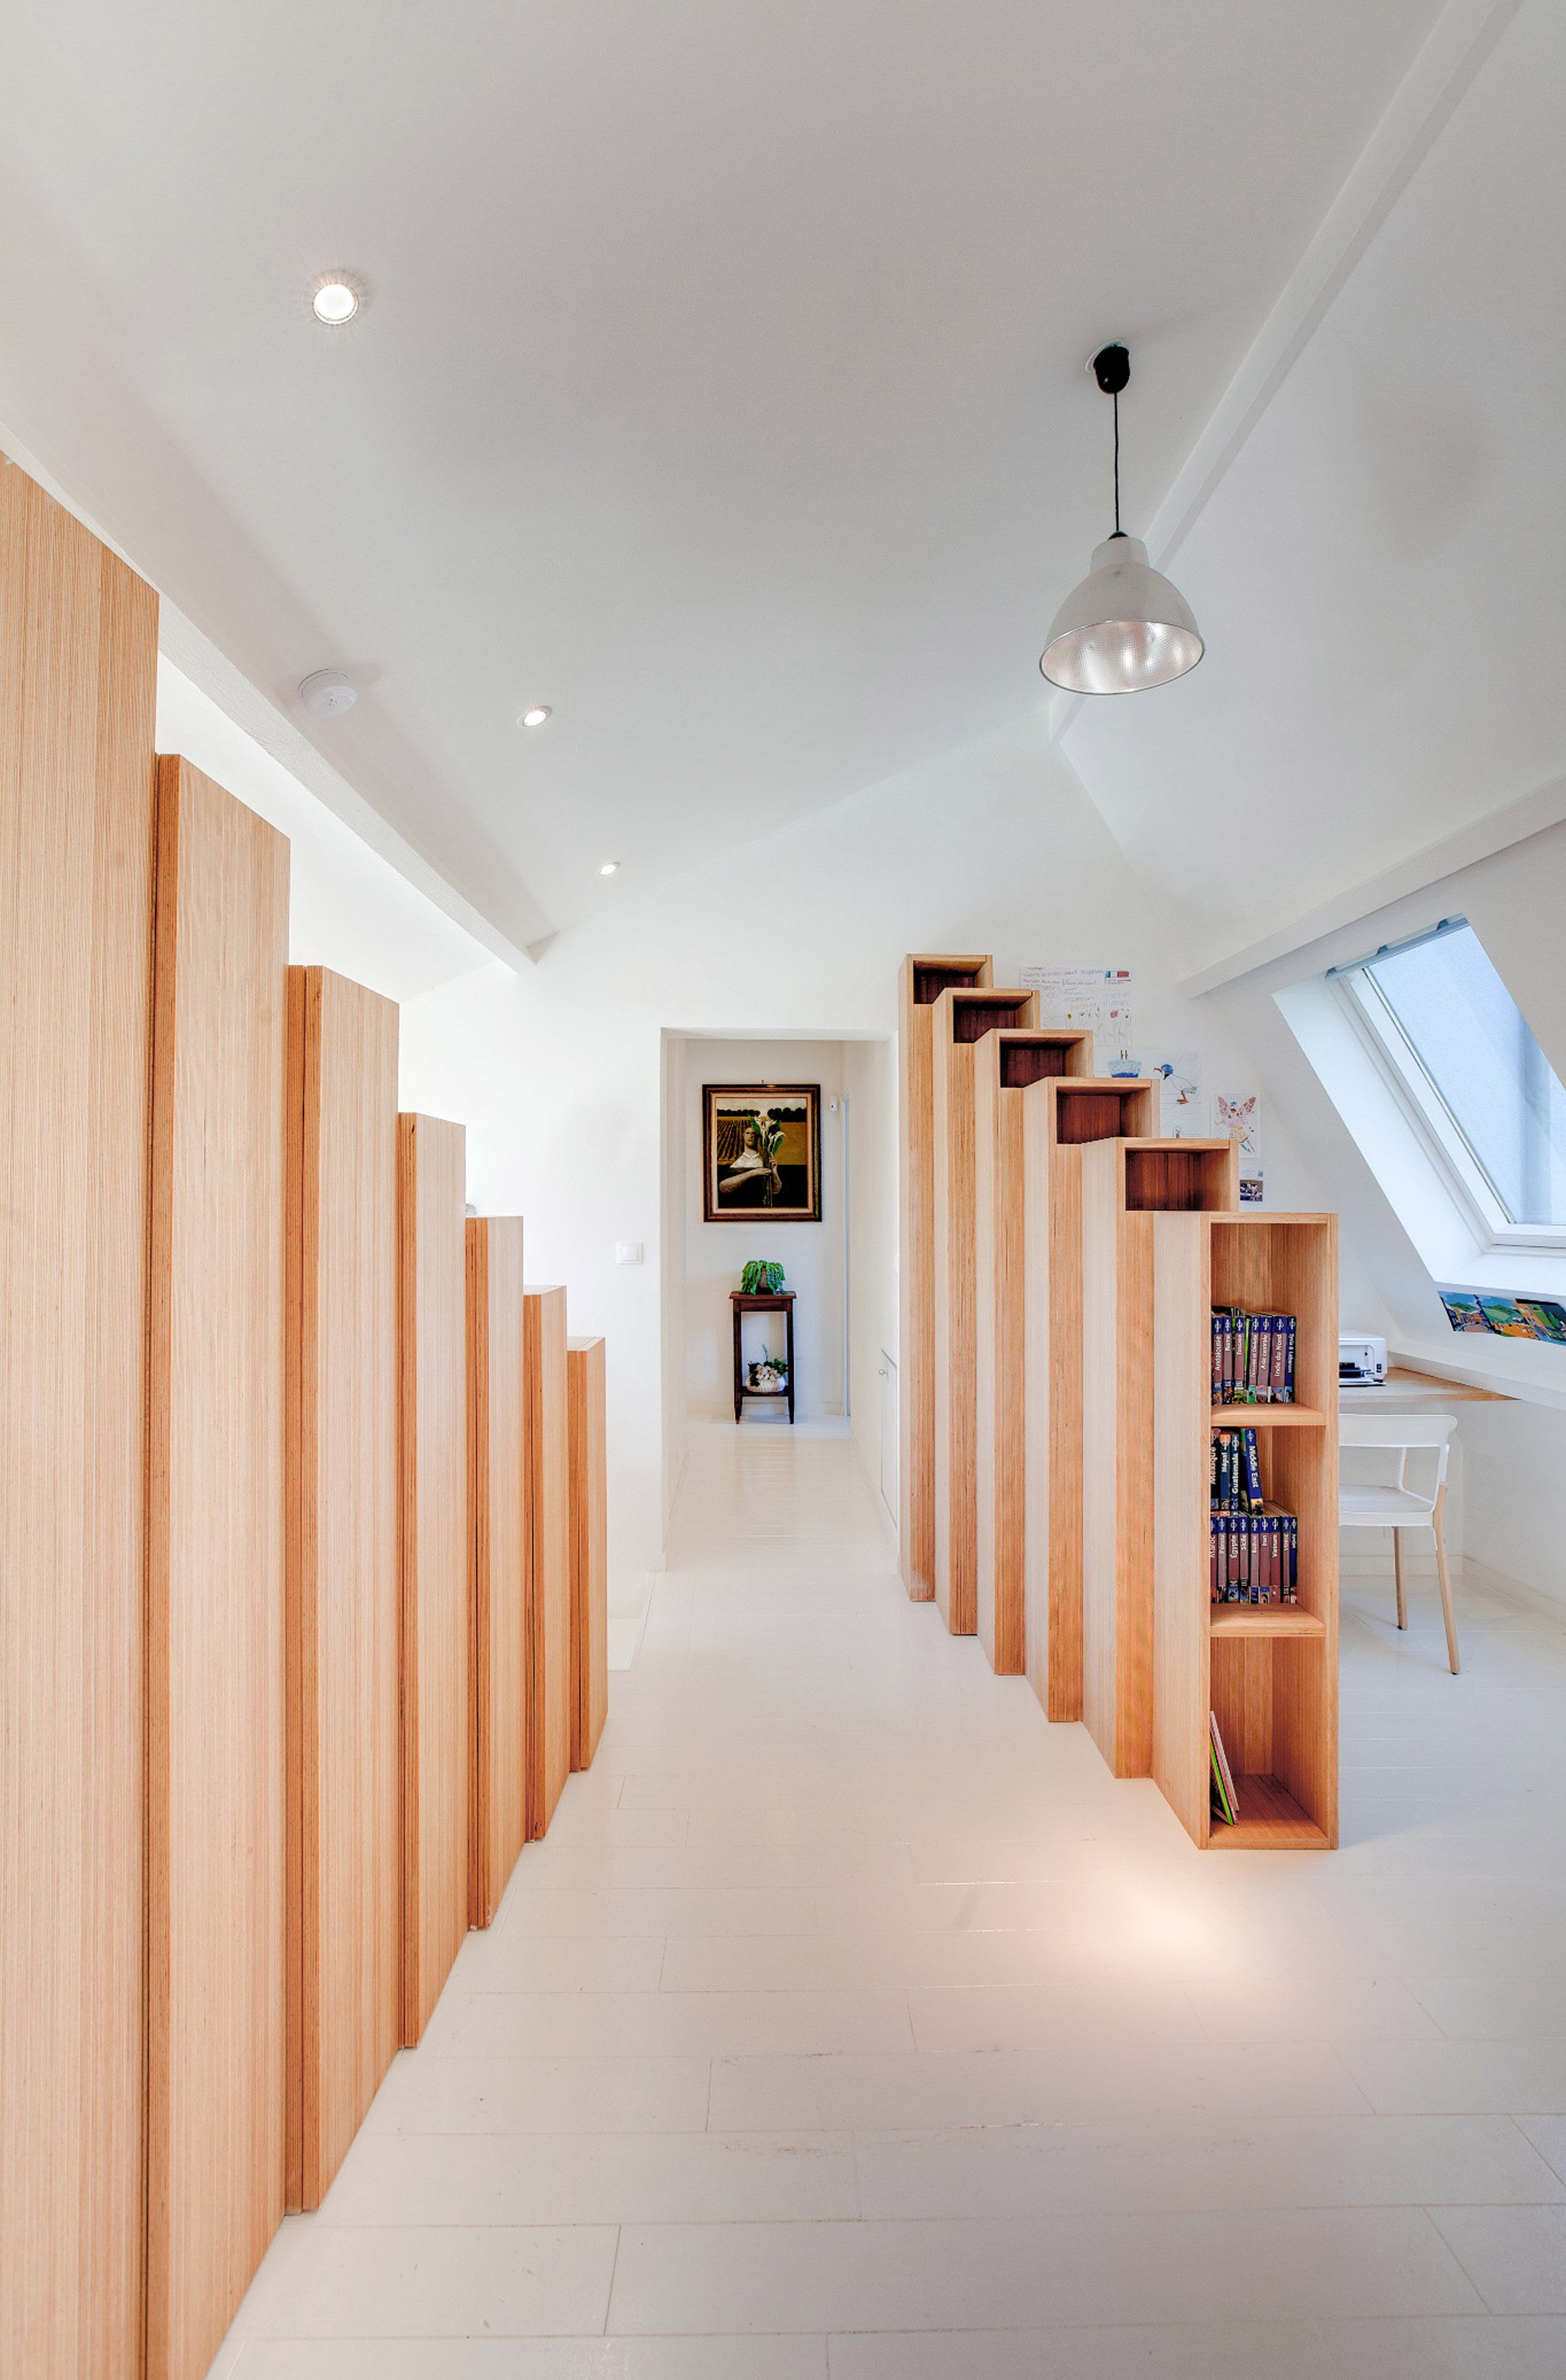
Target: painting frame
<point>727,1197</point>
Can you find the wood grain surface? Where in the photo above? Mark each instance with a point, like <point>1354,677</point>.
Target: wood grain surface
<point>1059,1118</point>
<point>963,1021</point>
<point>1006,1063</point>
<point>590,1548</point>
<point>215,1576</point>
<point>432,1548</point>
<point>1123,1182</point>
<point>546,1399</point>
<point>1269,1674</point>
<point>343,1969</point>
<point>78,684</point>
<point>497,1509</point>
<point>922,980</point>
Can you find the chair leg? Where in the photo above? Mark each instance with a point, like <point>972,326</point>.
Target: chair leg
<point>1440,1534</point>
<point>1397,1573</point>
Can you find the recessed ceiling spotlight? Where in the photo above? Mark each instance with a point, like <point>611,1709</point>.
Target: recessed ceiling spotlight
<point>609,867</point>
<point>535,717</point>
<point>328,693</point>
<point>335,297</point>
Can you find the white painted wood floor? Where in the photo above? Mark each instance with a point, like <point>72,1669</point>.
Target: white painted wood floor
<point>852,2021</point>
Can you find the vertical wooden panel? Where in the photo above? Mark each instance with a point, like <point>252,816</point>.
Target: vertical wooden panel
<point>546,1395</point>
<point>1006,1064</point>
<point>497,1509</point>
<point>342,1967</point>
<point>1117,1418</point>
<point>590,1548</point>
<point>214,1577</point>
<point>78,678</point>
<point>433,1533</point>
<point>962,1020</point>
<point>921,982</point>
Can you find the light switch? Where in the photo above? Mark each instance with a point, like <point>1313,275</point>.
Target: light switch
<point>628,1252</point>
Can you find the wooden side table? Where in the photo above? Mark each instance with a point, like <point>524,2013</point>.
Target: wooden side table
<point>781,1302</point>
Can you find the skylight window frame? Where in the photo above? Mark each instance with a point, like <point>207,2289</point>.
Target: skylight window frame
<point>1424,1106</point>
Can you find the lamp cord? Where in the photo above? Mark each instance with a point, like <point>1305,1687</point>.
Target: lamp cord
<point>1117,461</point>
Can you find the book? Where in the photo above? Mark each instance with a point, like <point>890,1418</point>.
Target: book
<point>1252,1357</point>
<point>1225,1801</point>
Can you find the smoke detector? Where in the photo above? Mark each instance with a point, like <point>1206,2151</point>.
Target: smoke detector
<point>328,693</point>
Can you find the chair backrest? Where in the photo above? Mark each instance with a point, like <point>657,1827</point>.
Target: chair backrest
<point>1395,1429</point>
<point>1404,1433</point>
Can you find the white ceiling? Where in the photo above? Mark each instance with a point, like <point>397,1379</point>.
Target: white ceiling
<point>1381,575</point>
<point>722,386</point>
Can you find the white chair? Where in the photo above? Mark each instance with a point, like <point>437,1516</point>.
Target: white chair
<point>1399,1507</point>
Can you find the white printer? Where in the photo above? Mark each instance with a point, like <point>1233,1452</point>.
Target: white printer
<point>1362,1357</point>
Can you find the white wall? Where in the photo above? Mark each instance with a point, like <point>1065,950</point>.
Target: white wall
<point>810,1254</point>
<point>562,1076</point>
<point>1514,1456</point>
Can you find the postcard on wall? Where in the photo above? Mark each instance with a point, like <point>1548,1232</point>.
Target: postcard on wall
<point>1098,999</point>
<point>1464,1310</point>
<point>762,1152</point>
<point>1178,1073</point>
<point>1237,1115</point>
<point>1548,1319</point>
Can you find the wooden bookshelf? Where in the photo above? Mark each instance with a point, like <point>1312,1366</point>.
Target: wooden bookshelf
<point>962,1020</point>
<point>1006,1064</point>
<point>924,978</point>
<point>1030,1373</point>
<point>1126,1187</point>
<point>1268,1672</point>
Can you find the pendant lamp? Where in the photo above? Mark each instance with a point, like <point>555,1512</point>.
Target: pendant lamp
<point>1125,627</point>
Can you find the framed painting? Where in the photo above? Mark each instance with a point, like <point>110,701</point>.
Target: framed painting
<point>762,1152</point>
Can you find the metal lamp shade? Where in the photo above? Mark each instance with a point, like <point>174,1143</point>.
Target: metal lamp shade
<point>1125,628</point>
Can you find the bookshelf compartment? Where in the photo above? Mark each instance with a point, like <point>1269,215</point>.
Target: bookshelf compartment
<point>1267,1672</point>
<point>1170,1177</point>
<point>1268,1820</point>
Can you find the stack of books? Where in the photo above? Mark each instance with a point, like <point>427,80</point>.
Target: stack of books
<point>1255,1552</point>
<point>1252,1357</point>
<point>1225,1802</point>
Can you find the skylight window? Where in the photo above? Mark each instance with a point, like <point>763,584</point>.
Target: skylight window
<point>1461,1053</point>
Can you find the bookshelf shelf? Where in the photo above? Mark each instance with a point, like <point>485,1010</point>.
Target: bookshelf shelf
<point>1269,1819</point>
<point>1267,1417</point>
<point>1264,1620</point>
<point>1268,1672</point>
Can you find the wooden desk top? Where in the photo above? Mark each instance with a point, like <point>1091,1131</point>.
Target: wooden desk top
<point>1415,1392</point>
<point>761,1297</point>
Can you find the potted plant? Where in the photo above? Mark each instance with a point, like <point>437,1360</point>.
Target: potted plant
<point>761,1278</point>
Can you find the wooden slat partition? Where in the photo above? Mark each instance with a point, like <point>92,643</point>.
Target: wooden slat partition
<point>497,1509</point>
<point>1123,1182</point>
<point>962,1020</point>
<point>214,1577</point>
<point>1005,1062</point>
<point>78,682</point>
<point>546,1395</point>
<point>1059,1118</point>
<point>343,1964</point>
<point>433,1537</point>
<point>590,1548</point>
<point>922,981</point>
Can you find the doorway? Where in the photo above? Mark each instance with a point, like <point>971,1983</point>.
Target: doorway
<point>841,1270</point>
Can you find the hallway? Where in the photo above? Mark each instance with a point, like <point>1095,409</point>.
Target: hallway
<point>854,2022</point>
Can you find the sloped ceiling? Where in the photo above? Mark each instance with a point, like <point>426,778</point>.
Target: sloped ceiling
<point>1381,575</point>
<point>721,385</point>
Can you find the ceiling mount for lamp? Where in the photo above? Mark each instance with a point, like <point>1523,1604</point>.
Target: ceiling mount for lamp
<point>1125,627</point>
